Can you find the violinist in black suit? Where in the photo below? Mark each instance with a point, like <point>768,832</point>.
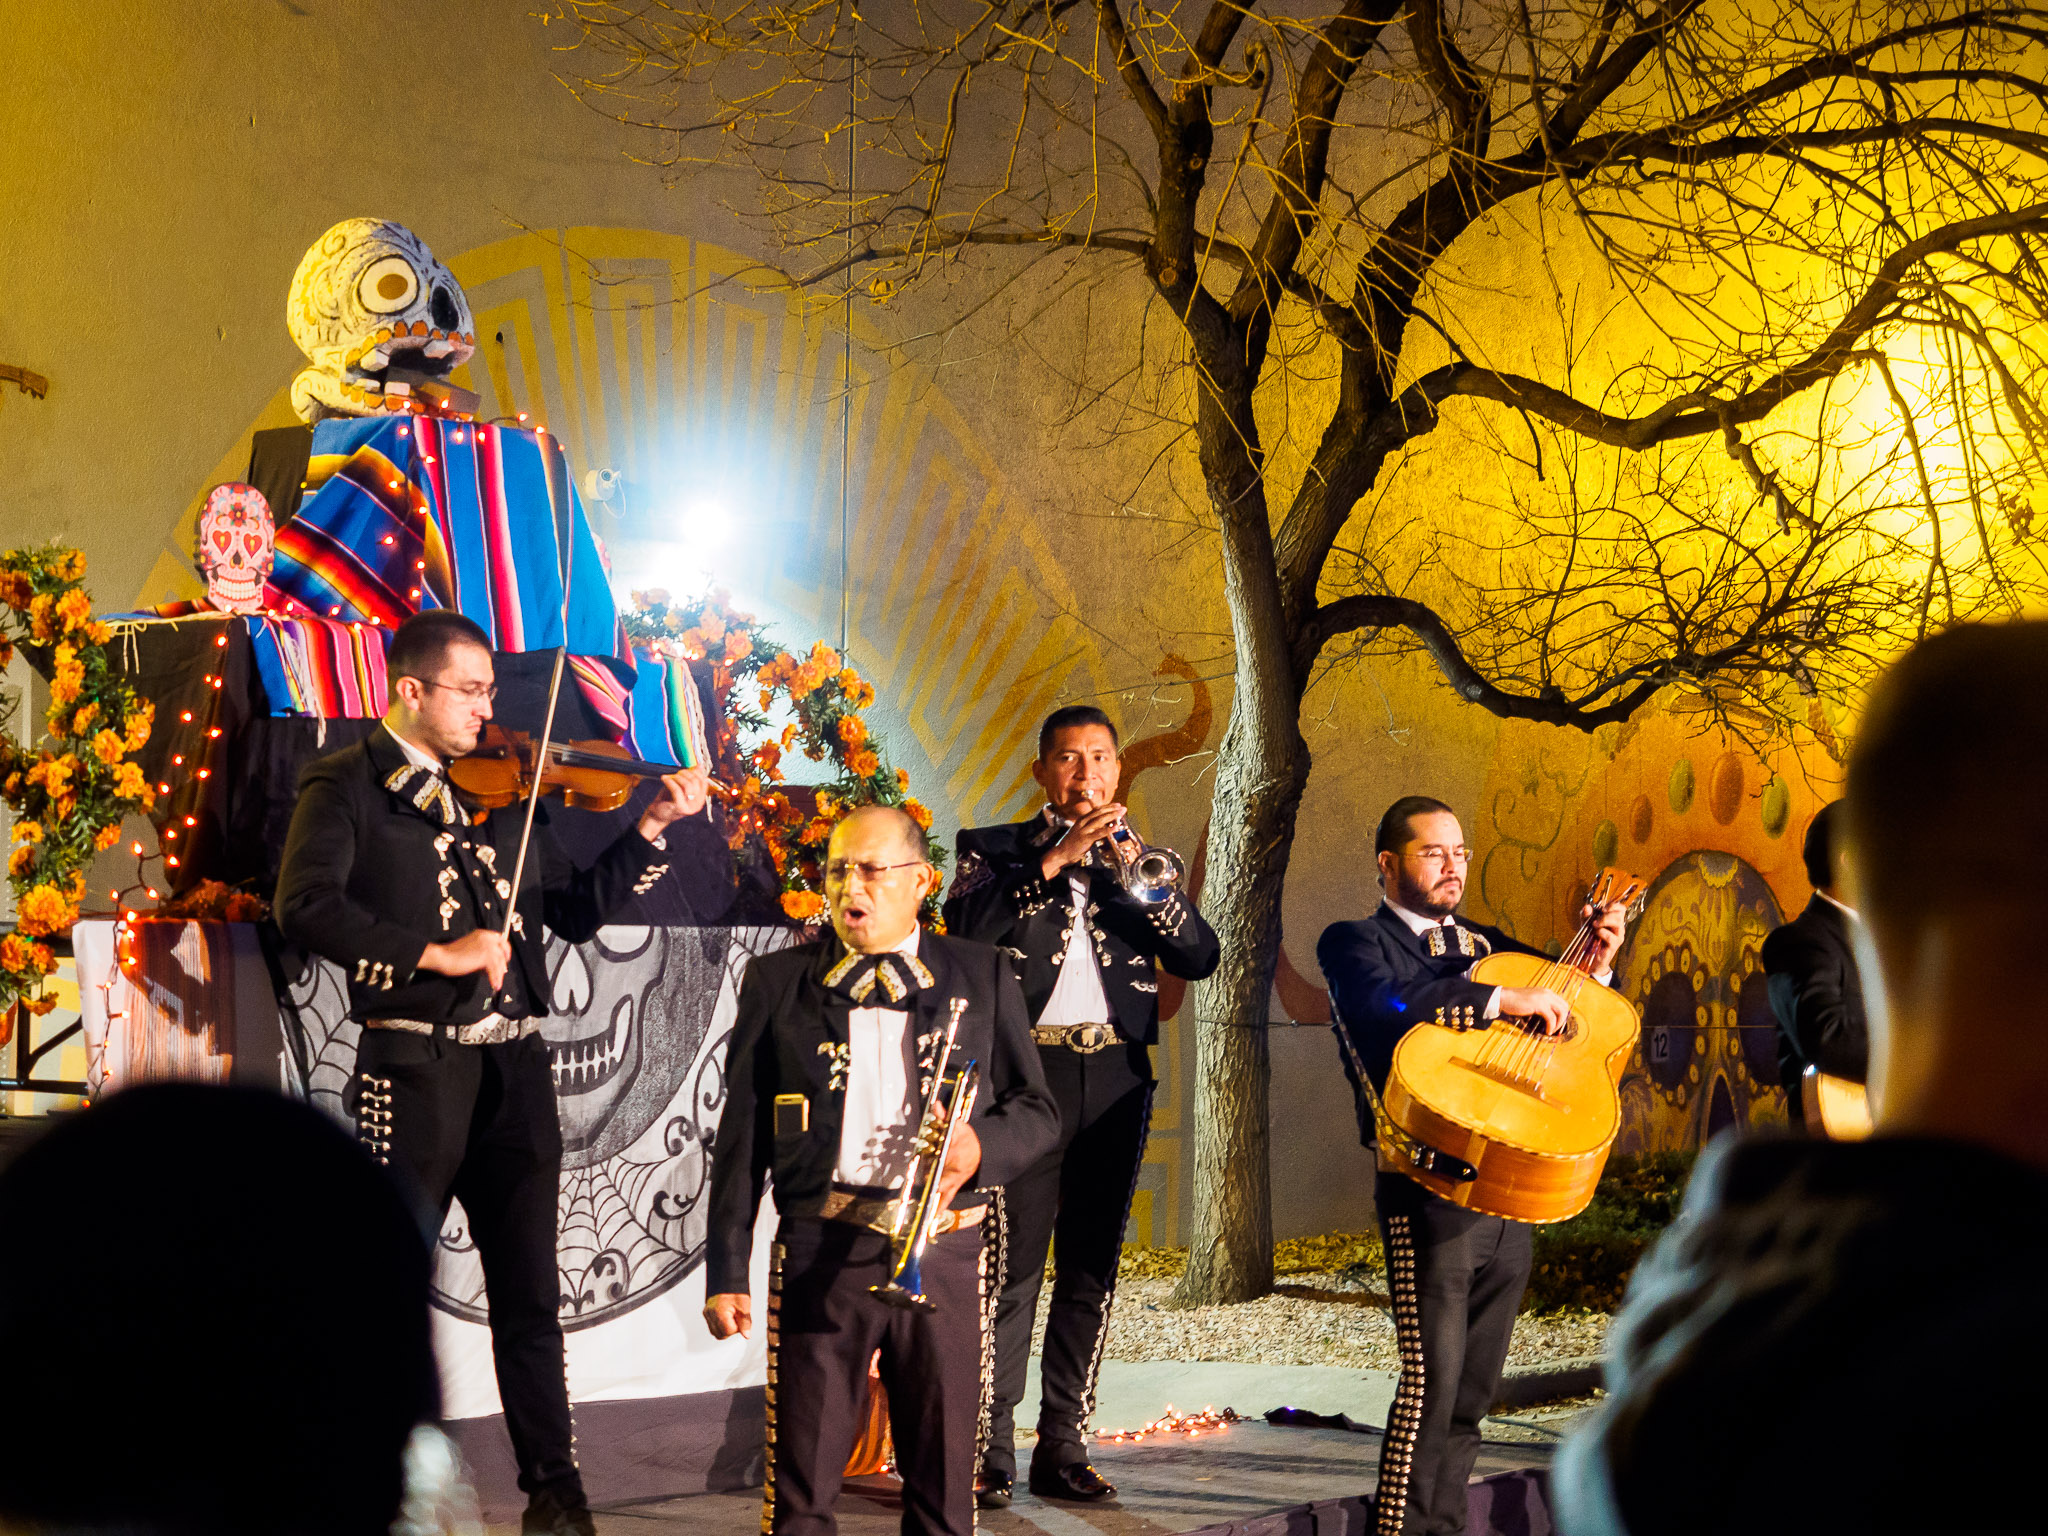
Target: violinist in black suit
<point>1816,990</point>
<point>833,1052</point>
<point>391,875</point>
<point>1046,891</point>
<point>1456,1275</point>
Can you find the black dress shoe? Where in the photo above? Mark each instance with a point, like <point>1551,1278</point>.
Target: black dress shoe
<point>1076,1482</point>
<point>994,1488</point>
<point>547,1514</point>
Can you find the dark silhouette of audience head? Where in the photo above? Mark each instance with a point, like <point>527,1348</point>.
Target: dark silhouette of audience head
<point>217,1323</point>
<point>1817,853</point>
<point>1948,838</point>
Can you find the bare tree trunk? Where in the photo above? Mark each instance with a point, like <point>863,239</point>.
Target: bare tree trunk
<point>1260,773</point>
<point>1258,788</point>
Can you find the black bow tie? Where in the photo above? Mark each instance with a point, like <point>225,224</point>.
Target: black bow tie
<point>878,981</point>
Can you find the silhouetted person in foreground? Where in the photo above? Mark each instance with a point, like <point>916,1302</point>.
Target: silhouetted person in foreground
<point>217,1323</point>
<point>1849,1336</point>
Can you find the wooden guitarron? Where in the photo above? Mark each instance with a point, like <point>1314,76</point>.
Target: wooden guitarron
<point>1506,1119</point>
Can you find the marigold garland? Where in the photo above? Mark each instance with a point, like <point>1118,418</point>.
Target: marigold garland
<point>794,822</point>
<point>70,792</point>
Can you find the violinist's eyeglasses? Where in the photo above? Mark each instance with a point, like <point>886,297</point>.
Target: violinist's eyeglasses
<point>473,693</point>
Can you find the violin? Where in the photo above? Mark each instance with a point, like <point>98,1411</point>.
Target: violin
<point>589,775</point>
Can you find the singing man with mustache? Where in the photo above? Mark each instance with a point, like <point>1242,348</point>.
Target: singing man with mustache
<point>833,1054</point>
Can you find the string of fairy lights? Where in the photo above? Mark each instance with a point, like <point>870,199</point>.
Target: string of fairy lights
<point>184,781</point>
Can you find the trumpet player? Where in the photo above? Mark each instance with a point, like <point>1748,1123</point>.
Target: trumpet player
<point>1088,944</point>
<point>834,1054</point>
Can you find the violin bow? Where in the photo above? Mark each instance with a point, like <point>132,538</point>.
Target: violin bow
<point>559,491</point>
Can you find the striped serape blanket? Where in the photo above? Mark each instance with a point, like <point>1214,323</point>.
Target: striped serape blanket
<point>661,719</point>
<point>320,669</point>
<point>409,512</point>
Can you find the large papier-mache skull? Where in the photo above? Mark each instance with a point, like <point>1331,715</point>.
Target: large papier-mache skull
<point>237,547</point>
<point>367,295</point>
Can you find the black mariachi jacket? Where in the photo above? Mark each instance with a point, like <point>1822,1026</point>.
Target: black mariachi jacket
<point>1816,991</point>
<point>373,873</point>
<point>1385,979</point>
<point>1000,897</point>
<point>787,1039</point>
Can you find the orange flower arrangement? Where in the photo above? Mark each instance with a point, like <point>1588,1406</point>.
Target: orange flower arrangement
<point>826,696</point>
<point>70,792</point>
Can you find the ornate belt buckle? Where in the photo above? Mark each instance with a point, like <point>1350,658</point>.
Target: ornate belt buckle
<point>1090,1038</point>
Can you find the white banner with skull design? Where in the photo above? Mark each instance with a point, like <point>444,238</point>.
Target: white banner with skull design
<point>640,1018</point>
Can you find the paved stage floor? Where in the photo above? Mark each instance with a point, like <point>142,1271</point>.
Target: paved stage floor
<point>1172,1484</point>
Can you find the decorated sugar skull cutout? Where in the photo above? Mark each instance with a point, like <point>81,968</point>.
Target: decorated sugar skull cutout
<point>237,547</point>
<point>370,295</point>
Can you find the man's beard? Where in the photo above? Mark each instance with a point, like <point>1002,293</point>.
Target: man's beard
<point>1429,904</point>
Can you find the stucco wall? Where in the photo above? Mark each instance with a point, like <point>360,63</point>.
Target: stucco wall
<point>165,166</point>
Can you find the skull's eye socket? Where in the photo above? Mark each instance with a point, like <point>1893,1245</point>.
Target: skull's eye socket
<point>222,539</point>
<point>252,542</point>
<point>388,286</point>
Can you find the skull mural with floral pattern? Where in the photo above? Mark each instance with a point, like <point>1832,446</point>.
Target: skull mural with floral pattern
<point>368,298</point>
<point>236,547</point>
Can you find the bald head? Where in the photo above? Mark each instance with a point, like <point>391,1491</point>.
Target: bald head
<point>877,875</point>
<point>889,822</point>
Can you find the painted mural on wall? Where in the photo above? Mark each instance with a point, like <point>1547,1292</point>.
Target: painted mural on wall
<point>1715,824</point>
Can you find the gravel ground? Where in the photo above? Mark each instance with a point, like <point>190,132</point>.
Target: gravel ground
<point>1339,1319</point>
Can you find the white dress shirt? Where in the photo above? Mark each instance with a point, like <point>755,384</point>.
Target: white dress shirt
<point>1077,997</point>
<point>882,1108</point>
<point>1418,925</point>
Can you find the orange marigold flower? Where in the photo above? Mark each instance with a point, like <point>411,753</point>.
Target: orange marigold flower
<point>864,763</point>
<point>817,830</point>
<point>768,758</point>
<point>15,953</point>
<point>43,909</point>
<point>16,591</point>
<point>41,616</point>
<point>28,831</point>
<point>712,628</point>
<point>140,719</point>
<point>74,608</point>
<point>109,835</point>
<point>129,784</point>
<point>82,721</point>
<point>803,906</point>
<point>902,779</point>
<point>71,567</point>
<point>65,805</point>
<point>826,658</point>
<point>828,803</point>
<point>852,732</point>
<point>108,747</point>
<point>67,677</point>
<point>738,645</point>
<point>651,598</point>
<point>865,696</point>
<point>97,633</point>
<point>918,814</point>
<point>40,1004</point>
<point>22,860</point>
<point>848,680</point>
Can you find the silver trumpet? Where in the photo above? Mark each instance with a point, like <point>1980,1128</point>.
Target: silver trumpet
<point>946,1107</point>
<point>1152,876</point>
